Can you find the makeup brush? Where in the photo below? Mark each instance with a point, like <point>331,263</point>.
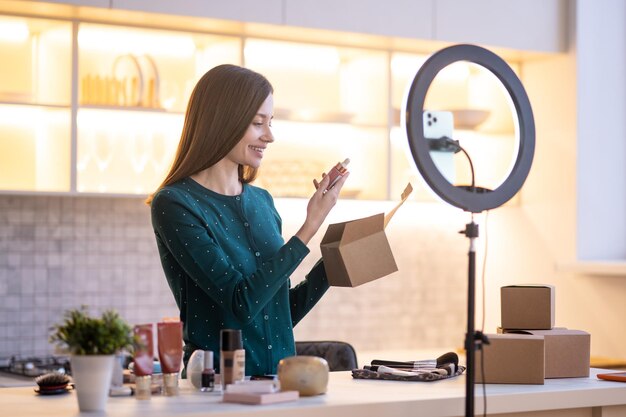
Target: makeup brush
<point>446,358</point>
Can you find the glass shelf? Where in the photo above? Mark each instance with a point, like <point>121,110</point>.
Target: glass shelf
<point>124,152</point>
<point>322,83</point>
<point>134,88</point>
<point>36,56</point>
<point>147,68</point>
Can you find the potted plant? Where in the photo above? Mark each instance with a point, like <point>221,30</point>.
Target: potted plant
<point>92,343</point>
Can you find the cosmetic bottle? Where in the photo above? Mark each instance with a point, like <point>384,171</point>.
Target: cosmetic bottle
<point>170,336</point>
<point>337,172</point>
<point>143,361</point>
<point>208,373</point>
<point>232,357</point>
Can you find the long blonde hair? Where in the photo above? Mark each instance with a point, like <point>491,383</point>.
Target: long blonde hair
<point>221,107</point>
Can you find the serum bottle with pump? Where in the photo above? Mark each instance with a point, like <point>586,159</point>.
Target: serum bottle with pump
<point>337,172</point>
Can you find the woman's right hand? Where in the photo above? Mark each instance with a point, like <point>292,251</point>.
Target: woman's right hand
<point>319,206</point>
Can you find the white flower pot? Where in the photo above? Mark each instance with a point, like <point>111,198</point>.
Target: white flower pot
<point>92,377</point>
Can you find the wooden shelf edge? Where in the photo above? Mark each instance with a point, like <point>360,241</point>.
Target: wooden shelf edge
<point>596,268</point>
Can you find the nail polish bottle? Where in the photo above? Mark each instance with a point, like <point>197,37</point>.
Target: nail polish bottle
<point>337,172</point>
<point>208,373</point>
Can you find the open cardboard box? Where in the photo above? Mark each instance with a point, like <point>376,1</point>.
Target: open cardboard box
<point>357,251</point>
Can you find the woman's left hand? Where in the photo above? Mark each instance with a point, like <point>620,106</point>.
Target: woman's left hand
<point>320,204</point>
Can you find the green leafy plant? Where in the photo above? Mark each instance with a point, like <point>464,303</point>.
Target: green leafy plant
<point>82,334</point>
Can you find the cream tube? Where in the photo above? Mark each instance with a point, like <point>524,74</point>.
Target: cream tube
<point>170,335</point>
<point>143,359</point>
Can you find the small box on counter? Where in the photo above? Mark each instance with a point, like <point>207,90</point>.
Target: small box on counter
<point>527,307</point>
<point>357,251</point>
<point>511,359</point>
<point>260,398</point>
<point>567,352</point>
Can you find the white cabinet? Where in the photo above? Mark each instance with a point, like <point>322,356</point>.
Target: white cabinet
<point>534,25</point>
<point>530,25</point>
<point>267,11</point>
<point>89,3</point>
<point>401,18</point>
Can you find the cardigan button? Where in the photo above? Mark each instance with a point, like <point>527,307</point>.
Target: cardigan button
<point>257,254</point>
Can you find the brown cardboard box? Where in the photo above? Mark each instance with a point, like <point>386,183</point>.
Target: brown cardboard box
<point>527,307</point>
<point>567,352</point>
<point>511,359</point>
<point>357,251</point>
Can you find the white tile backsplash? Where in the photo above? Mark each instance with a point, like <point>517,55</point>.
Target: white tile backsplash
<point>60,252</point>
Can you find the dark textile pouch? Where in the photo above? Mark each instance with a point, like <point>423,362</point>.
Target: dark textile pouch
<point>424,377</point>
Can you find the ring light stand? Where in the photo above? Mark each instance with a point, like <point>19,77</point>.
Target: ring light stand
<point>469,198</point>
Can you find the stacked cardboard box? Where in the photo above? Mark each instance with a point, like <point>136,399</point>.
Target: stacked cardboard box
<point>528,348</point>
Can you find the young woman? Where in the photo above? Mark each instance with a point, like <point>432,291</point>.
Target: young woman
<point>219,237</point>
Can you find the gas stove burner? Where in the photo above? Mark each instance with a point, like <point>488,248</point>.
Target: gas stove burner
<point>38,365</point>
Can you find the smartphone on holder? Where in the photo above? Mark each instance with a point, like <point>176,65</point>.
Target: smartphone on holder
<point>613,376</point>
<point>437,125</point>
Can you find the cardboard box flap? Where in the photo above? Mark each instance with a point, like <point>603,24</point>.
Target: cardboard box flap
<point>557,331</point>
<point>405,194</point>
<point>365,227</point>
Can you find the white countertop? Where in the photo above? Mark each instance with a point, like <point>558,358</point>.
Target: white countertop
<point>345,397</point>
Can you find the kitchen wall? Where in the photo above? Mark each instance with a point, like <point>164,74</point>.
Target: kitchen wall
<point>60,252</point>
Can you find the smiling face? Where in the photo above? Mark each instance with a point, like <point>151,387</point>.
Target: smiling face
<point>249,150</point>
